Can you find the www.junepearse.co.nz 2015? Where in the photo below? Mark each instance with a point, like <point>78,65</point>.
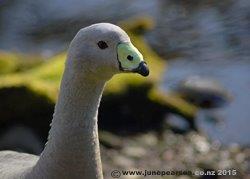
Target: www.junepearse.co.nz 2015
<point>145,173</point>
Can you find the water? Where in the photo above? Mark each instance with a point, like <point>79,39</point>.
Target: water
<point>210,40</point>
<point>234,75</point>
<point>55,23</point>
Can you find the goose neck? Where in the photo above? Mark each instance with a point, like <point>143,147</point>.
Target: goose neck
<point>73,146</point>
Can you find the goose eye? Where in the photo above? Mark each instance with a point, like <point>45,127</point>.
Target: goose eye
<point>130,58</point>
<point>102,45</point>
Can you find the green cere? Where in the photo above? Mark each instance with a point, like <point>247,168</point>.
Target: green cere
<point>128,56</point>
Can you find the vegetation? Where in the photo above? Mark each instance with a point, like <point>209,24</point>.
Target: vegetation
<point>41,82</point>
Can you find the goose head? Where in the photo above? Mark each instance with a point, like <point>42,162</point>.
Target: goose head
<point>103,50</point>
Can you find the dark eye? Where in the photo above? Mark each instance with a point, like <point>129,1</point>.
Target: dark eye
<point>102,45</point>
<point>130,58</point>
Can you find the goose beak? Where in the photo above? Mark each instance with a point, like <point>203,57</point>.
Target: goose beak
<point>142,69</point>
<point>131,60</point>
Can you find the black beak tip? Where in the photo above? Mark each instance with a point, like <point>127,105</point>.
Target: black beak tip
<point>143,69</point>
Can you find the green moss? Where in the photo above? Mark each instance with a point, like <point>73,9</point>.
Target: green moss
<point>16,62</point>
<point>50,71</point>
<point>44,79</point>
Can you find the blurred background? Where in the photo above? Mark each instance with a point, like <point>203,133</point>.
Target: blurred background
<point>194,107</point>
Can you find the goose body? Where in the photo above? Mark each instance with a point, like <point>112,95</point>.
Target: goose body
<point>95,54</point>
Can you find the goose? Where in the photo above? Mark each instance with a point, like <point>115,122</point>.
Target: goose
<point>96,53</point>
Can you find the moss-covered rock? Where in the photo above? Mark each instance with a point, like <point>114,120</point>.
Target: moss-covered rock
<point>16,62</point>
<point>26,90</point>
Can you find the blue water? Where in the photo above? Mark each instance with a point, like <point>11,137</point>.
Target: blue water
<point>234,75</point>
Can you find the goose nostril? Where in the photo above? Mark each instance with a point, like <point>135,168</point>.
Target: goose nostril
<point>130,58</point>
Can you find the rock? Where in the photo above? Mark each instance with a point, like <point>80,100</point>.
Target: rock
<point>168,155</point>
<point>123,161</point>
<point>201,144</point>
<point>110,140</point>
<point>177,123</point>
<point>176,152</point>
<point>149,139</point>
<point>134,151</point>
<point>204,92</point>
